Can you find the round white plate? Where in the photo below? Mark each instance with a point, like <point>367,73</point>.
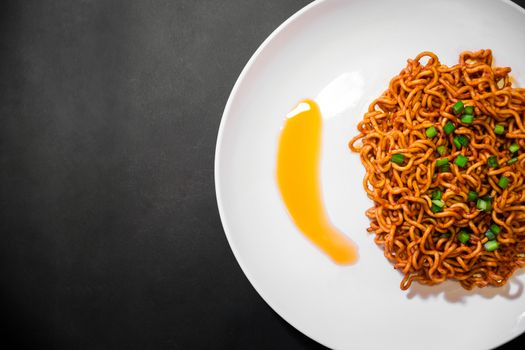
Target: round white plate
<point>343,54</point>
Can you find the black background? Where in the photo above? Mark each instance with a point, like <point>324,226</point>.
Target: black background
<point>111,236</point>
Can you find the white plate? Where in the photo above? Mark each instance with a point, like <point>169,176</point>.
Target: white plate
<point>363,43</point>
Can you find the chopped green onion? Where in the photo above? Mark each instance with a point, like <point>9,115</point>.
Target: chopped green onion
<point>467,118</point>
<point>438,202</point>
<point>458,107</point>
<point>499,129</point>
<point>490,235</point>
<point>437,194</point>
<point>445,168</point>
<point>495,228</point>
<point>469,109</point>
<point>398,158</point>
<point>512,161</point>
<point>492,161</point>
<point>503,182</point>
<point>449,127</point>
<point>487,198</point>
<point>514,148</point>
<point>441,162</point>
<point>441,150</point>
<point>463,236</point>
<point>483,204</point>
<point>472,196</point>
<point>436,209</point>
<point>461,161</point>
<point>491,246</point>
<point>463,140</point>
<point>431,132</point>
<point>460,140</point>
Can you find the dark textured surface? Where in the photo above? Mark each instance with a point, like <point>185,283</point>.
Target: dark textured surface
<point>109,114</point>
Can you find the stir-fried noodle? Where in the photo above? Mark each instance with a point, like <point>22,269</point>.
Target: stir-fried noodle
<point>443,150</point>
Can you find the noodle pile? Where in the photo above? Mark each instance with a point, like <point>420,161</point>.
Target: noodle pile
<point>449,200</point>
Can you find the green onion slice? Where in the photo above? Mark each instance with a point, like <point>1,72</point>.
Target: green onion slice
<point>483,205</point>
<point>467,118</point>
<point>458,107</point>
<point>431,132</point>
<point>438,202</point>
<point>499,129</point>
<point>449,127</point>
<point>490,235</point>
<point>461,161</point>
<point>503,182</point>
<point>398,158</point>
<point>463,236</point>
<point>495,228</point>
<point>441,162</point>
<point>492,161</point>
<point>491,246</point>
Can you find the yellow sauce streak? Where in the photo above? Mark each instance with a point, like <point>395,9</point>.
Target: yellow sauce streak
<point>298,179</point>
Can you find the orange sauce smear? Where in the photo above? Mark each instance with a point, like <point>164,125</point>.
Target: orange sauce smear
<point>298,180</point>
